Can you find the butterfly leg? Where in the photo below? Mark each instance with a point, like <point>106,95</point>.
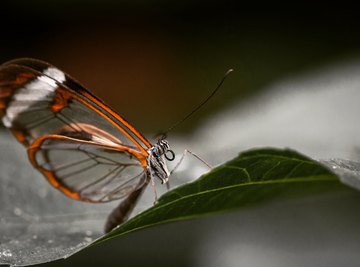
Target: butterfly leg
<point>194,155</point>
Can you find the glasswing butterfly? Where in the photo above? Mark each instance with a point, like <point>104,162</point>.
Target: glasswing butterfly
<point>82,146</point>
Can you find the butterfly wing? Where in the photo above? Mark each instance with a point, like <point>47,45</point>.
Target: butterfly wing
<point>87,170</point>
<point>81,145</point>
<point>38,99</point>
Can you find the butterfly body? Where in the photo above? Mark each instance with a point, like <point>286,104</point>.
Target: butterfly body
<point>82,147</point>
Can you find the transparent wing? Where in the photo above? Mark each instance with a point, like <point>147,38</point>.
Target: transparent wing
<point>37,99</point>
<point>88,171</point>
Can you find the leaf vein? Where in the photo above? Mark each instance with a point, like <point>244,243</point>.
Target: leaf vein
<point>286,180</point>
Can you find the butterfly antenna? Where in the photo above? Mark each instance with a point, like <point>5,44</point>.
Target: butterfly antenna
<point>164,134</point>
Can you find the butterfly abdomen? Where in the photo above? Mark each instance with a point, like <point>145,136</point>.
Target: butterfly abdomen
<point>121,213</point>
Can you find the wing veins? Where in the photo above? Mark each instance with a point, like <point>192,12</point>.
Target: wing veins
<point>111,160</point>
<point>69,175</point>
<point>117,188</point>
<point>117,174</point>
<point>69,123</point>
<point>30,110</point>
<point>102,178</point>
<point>65,166</point>
<point>39,122</point>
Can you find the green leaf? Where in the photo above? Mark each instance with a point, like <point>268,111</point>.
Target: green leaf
<point>253,177</point>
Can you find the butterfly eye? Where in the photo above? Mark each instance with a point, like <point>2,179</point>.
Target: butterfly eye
<point>170,157</point>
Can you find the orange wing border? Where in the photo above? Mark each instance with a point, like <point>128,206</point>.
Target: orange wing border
<point>80,93</point>
<point>51,177</point>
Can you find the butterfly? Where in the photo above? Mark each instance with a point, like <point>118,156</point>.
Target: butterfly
<point>81,145</point>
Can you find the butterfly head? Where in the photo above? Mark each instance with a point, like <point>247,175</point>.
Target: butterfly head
<point>157,155</point>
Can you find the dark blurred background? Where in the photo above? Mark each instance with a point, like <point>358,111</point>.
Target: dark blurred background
<point>161,58</point>
<point>153,61</point>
